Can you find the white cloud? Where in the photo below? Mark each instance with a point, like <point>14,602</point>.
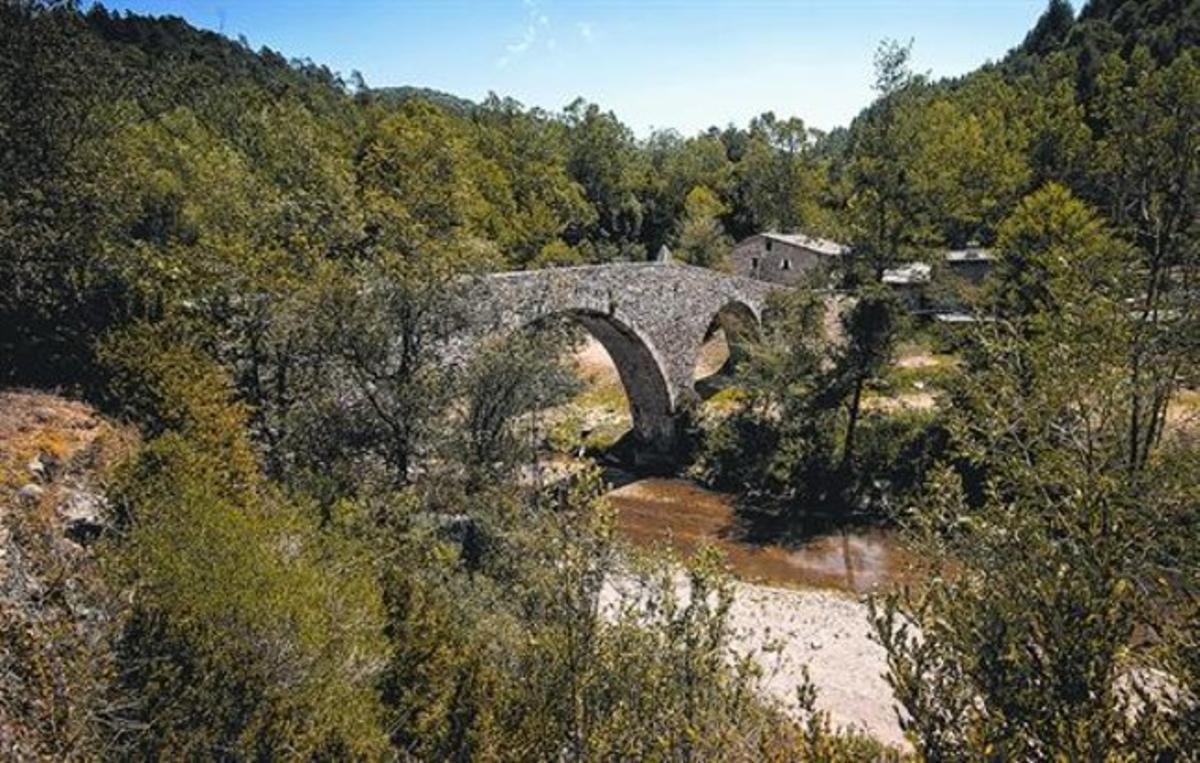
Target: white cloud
<point>536,21</point>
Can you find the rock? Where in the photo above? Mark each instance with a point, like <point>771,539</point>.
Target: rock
<point>82,515</point>
<point>36,468</point>
<point>31,492</point>
<point>51,464</point>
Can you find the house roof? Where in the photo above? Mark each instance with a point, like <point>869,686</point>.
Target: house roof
<point>970,254</point>
<point>909,274</point>
<point>819,245</point>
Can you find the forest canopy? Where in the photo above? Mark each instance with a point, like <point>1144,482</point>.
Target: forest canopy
<point>325,546</point>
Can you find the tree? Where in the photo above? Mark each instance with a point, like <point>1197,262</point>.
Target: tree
<point>679,165</point>
<point>1150,160</point>
<point>778,180</point>
<point>883,205</point>
<point>384,388</point>
<point>250,631</point>
<point>56,97</point>
<point>701,238</point>
<point>782,442</point>
<point>1039,545</point>
<point>511,379</point>
<point>1051,29</point>
<point>531,150</point>
<point>422,181</point>
<point>872,327</point>
<point>603,159</point>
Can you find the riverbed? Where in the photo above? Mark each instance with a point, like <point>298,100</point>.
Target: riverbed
<point>794,607</point>
<point>683,516</point>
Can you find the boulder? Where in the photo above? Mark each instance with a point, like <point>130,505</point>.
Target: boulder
<point>31,493</point>
<point>82,514</point>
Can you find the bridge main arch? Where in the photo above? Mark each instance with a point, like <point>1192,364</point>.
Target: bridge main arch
<point>642,375</point>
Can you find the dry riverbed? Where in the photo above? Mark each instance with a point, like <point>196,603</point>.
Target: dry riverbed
<point>787,630</point>
<point>795,607</point>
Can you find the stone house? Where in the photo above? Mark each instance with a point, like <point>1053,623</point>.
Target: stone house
<point>972,263</point>
<point>925,290</point>
<point>910,281</point>
<point>786,258</point>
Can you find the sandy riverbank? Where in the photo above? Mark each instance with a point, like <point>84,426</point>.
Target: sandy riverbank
<point>785,630</point>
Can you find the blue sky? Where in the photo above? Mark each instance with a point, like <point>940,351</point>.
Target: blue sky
<point>656,63</point>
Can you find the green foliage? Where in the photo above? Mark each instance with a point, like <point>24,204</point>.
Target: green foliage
<point>535,640</point>
<point>778,179</point>
<point>251,632</point>
<point>1051,29</point>
<point>259,266</point>
<point>783,441</point>
<point>702,240</point>
<point>54,200</point>
<point>794,437</point>
<point>1042,544</point>
<point>515,377</point>
<point>871,326</point>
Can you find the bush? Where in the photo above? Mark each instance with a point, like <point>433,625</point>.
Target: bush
<point>252,633</point>
<point>548,646</point>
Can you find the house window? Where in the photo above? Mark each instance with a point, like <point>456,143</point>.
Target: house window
<point>769,242</point>
<point>785,264</point>
<point>754,263</point>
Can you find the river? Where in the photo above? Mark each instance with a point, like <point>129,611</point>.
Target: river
<point>683,516</point>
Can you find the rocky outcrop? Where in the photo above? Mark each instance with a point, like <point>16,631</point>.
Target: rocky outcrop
<point>56,615</point>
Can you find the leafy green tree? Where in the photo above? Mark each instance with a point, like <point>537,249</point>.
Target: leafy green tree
<point>1021,642</point>
<point>1051,29</point>
<point>701,239</point>
<point>981,126</point>
<point>251,632</point>
<point>603,158</point>
<point>872,326</point>
<point>512,379</point>
<point>56,97</point>
<point>423,181</point>
<point>779,181</point>
<point>679,165</point>
<point>884,207</point>
<point>1149,161</point>
<point>782,442</point>
<point>531,150</point>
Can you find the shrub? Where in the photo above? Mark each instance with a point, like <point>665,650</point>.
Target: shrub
<point>252,632</point>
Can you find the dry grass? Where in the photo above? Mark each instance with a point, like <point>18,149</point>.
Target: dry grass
<point>67,434</point>
<point>1183,415</point>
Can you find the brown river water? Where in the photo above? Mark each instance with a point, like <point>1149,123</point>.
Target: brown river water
<point>685,516</point>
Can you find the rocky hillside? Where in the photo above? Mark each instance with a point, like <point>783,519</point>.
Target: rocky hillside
<point>55,615</point>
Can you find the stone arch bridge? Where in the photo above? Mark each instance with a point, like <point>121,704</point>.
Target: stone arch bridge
<point>651,317</point>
